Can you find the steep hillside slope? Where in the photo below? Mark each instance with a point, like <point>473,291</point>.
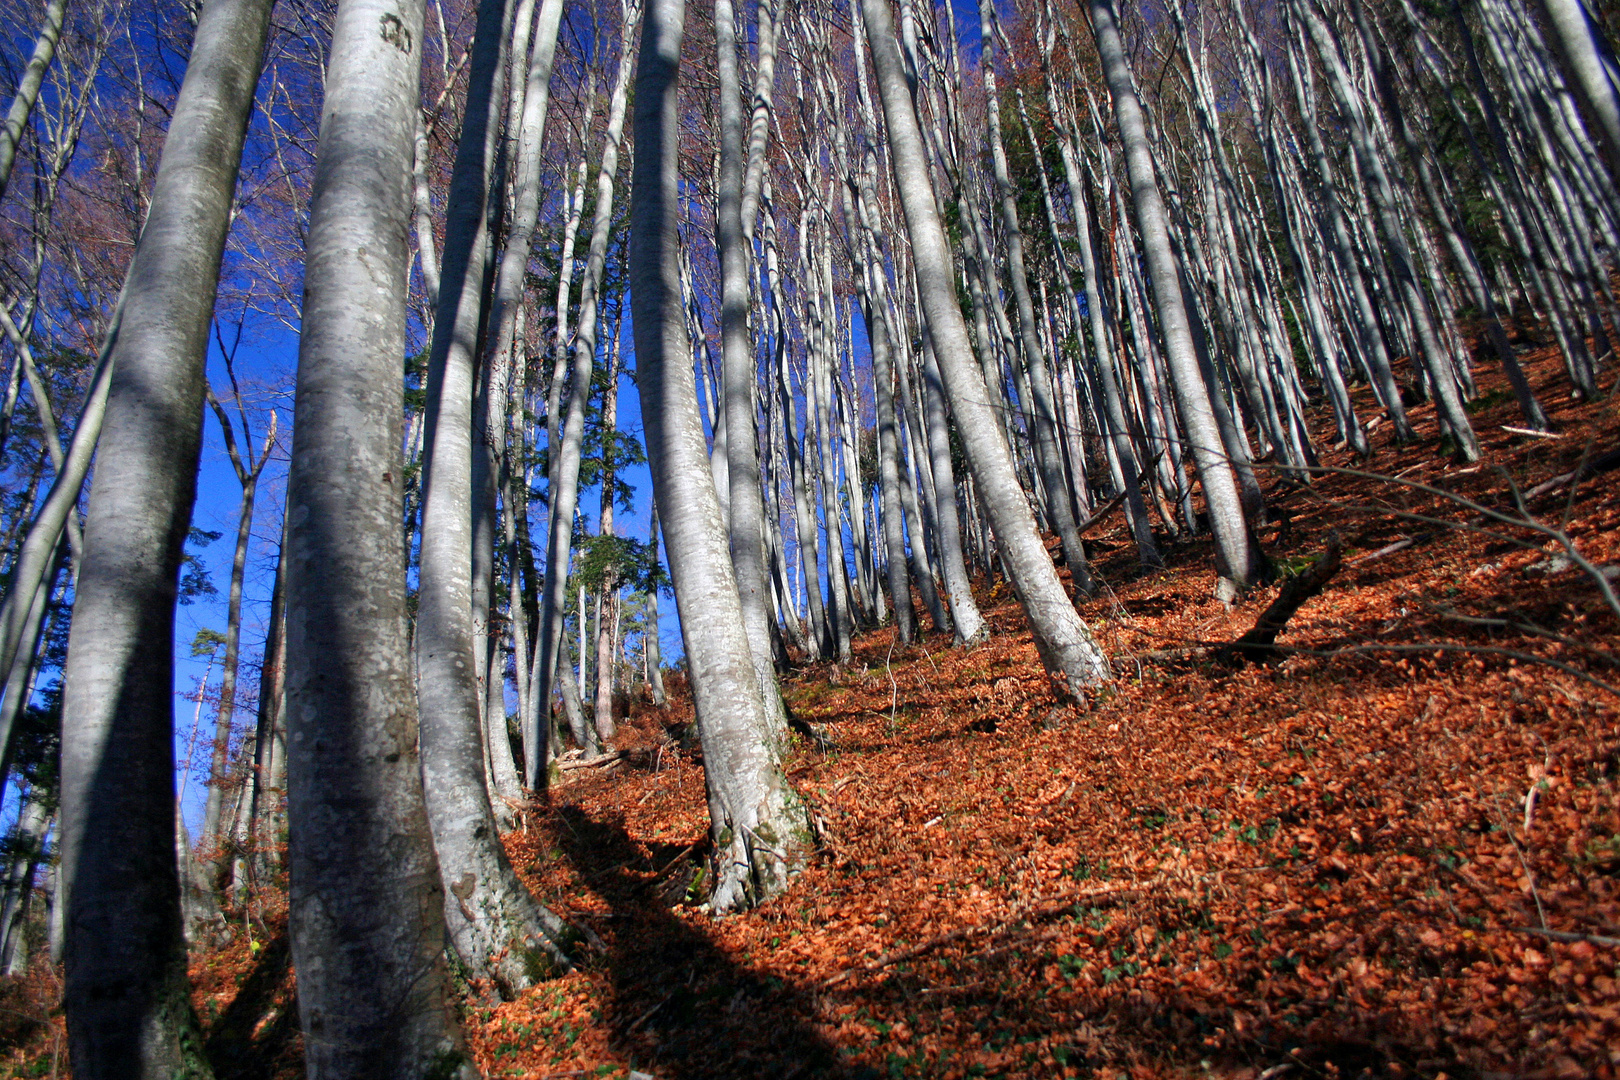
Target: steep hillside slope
<point>1392,851</point>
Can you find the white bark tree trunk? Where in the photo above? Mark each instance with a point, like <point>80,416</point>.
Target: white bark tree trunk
<point>367,917</point>
<point>129,1014</point>
<point>1238,557</point>
<point>1063,640</point>
<point>761,830</point>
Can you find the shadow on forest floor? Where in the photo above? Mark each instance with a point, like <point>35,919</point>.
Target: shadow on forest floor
<point>256,1035</point>
<point>680,1006</point>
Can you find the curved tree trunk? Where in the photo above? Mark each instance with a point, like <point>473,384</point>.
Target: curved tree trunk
<point>129,1014</point>
<point>565,469</point>
<point>761,830</point>
<point>971,629</point>
<point>496,928</point>
<point>747,507</point>
<point>33,77</point>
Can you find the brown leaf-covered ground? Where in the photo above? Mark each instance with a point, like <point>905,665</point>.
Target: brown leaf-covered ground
<point>1392,852</point>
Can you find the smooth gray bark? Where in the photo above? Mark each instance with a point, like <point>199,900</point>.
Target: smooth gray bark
<point>33,76</point>
<point>971,629</point>
<point>495,926</point>
<point>1387,219</point>
<point>567,447</point>
<point>503,345</point>
<point>129,1014</point>
<point>1064,642</point>
<point>25,852</point>
<point>1117,427</point>
<point>1043,414</point>
<point>1589,57</point>
<point>1374,352</point>
<point>1237,555</point>
<point>366,909</point>
<point>266,817</point>
<point>746,519</point>
<point>870,290</point>
<point>761,830</point>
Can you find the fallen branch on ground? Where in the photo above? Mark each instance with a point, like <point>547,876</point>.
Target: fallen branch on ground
<point>1260,643</point>
<point>1564,935</point>
<point>592,763</point>
<point>1601,463</point>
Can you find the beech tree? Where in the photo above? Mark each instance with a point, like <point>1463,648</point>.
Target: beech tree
<point>129,1014</point>
<point>761,829</point>
<point>1064,641</point>
<point>366,914</point>
<point>885,334</point>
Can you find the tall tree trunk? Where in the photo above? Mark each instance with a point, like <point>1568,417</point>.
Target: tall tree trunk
<point>1589,56</point>
<point>740,370</point>
<point>606,632</point>
<point>1375,354</point>
<point>495,926</point>
<point>129,1013</point>
<point>654,650</point>
<point>1063,640</point>
<point>568,432</point>
<point>1238,556</point>
<point>247,474</point>
<point>24,852</point>
<point>265,806</point>
<point>760,828</point>
<point>586,330</point>
<point>366,908</point>
<point>971,629</point>
<point>503,349</point>
<point>871,288</point>
<point>33,77</point>
<point>1043,416</point>
<point>1117,430</point>
<point>1387,218</point>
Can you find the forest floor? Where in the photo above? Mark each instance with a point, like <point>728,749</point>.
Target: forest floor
<point>1394,851</point>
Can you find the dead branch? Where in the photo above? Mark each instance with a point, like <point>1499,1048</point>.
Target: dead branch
<point>1564,935</point>
<point>592,763</point>
<point>1259,644</point>
<point>1390,549</point>
<point>1601,463</point>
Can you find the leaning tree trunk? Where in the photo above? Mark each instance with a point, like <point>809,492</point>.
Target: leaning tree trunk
<point>129,1012</point>
<point>761,829</point>
<point>33,77</point>
<point>1391,230</point>
<point>1063,640</point>
<point>366,908</point>
<point>1043,418</point>
<point>1589,57</point>
<point>1238,557</point>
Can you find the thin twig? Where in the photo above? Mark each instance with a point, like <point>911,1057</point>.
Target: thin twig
<point>1564,935</point>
